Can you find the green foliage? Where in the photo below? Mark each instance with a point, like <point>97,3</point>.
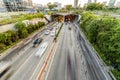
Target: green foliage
<point>68,7</point>
<point>21,18</point>
<point>2,46</point>
<point>116,73</point>
<point>22,29</point>
<point>9,37</point>
<point>51,6</point>
<point>95,6</point>
<point>78,11</point>
<point>104,33</point>
<point>50,12</point>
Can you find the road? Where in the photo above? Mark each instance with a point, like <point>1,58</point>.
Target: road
<point>67,63</point>
<point>26,65</point>
<point>71,59</point>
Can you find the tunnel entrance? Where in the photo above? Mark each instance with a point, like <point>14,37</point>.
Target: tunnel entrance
<point>69,17</point>
<point>58,18</point>
<point>62,17</point>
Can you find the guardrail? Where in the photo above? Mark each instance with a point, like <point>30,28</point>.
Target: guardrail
<point>107,74</point>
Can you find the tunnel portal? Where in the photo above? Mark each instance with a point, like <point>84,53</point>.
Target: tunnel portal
<point>69,17</point>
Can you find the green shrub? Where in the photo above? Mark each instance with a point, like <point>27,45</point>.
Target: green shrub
<point>104,33</point>
<point>21,18</point>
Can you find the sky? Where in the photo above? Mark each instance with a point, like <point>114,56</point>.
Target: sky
<point>64,2</point>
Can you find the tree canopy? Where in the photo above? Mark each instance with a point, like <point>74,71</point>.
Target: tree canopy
<point>68,7</point>
<point>95,6</point>
<point>51,6</point>
<point>104,33</point>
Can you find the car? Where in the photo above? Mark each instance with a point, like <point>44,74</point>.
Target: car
<point>57,27</point>
<point>50,28</point>
<point>69,27</point>
<point>47,32</point>
<point>5,70</point>
<point>37,42</point>
<point>52,33</point>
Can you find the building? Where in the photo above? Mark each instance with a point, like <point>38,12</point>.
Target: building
<point>38,6</point>
<point>118,4</point>
<point>89,1</point>
<point>111,3</point>
<point>17,5</point>
<point>2,6</point>
<point>104,3</point>
<point>75,3</point>
<point>58,5</point>
<point>95,1</point>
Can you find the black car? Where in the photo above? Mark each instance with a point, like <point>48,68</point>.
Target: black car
<point>37,42</point>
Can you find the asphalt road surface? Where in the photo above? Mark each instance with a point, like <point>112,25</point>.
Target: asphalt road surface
<point>70,60</point>
<point>26,65</point>
<point>67,63</point>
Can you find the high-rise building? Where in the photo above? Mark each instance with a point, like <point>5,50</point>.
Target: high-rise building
<point>111,3</point>
<point>75,3</point>
<point>17,5</point>
<point>104,3</point>
<point>89,1</point>
<point>95,1</point>
<point>118,4</point>
<point>58,5</point>
<point>2,7</point>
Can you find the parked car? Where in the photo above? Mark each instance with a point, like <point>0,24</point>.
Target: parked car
<point>37,42</point>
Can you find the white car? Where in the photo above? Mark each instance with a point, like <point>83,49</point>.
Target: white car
<point>47,32</point>
<point>52,33</point>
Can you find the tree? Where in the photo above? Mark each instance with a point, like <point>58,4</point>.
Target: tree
<point>95,6</point>
<point>22,29</point>
<point>68,7</point>
<point>14,35</point>
<point>51,6</point>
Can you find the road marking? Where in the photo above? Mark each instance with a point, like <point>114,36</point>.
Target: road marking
<point>26,60</point>
<point>45,64</point>
<point>24,63</point>
<point>51,63</point>
<point>37,66</point>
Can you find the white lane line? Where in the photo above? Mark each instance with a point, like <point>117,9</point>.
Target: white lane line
<point>25,61</point>
<point>23,64</point>
<point>50,64</point>
<point>37,67</point>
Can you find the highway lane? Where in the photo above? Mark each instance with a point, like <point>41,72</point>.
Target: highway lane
<point>95,67</point>
<point>66,64</point>
<point>15,52</point>
<point>26,70</point>
<point>59,63</point>
<point>25,53</point>
<point>30,64</point>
